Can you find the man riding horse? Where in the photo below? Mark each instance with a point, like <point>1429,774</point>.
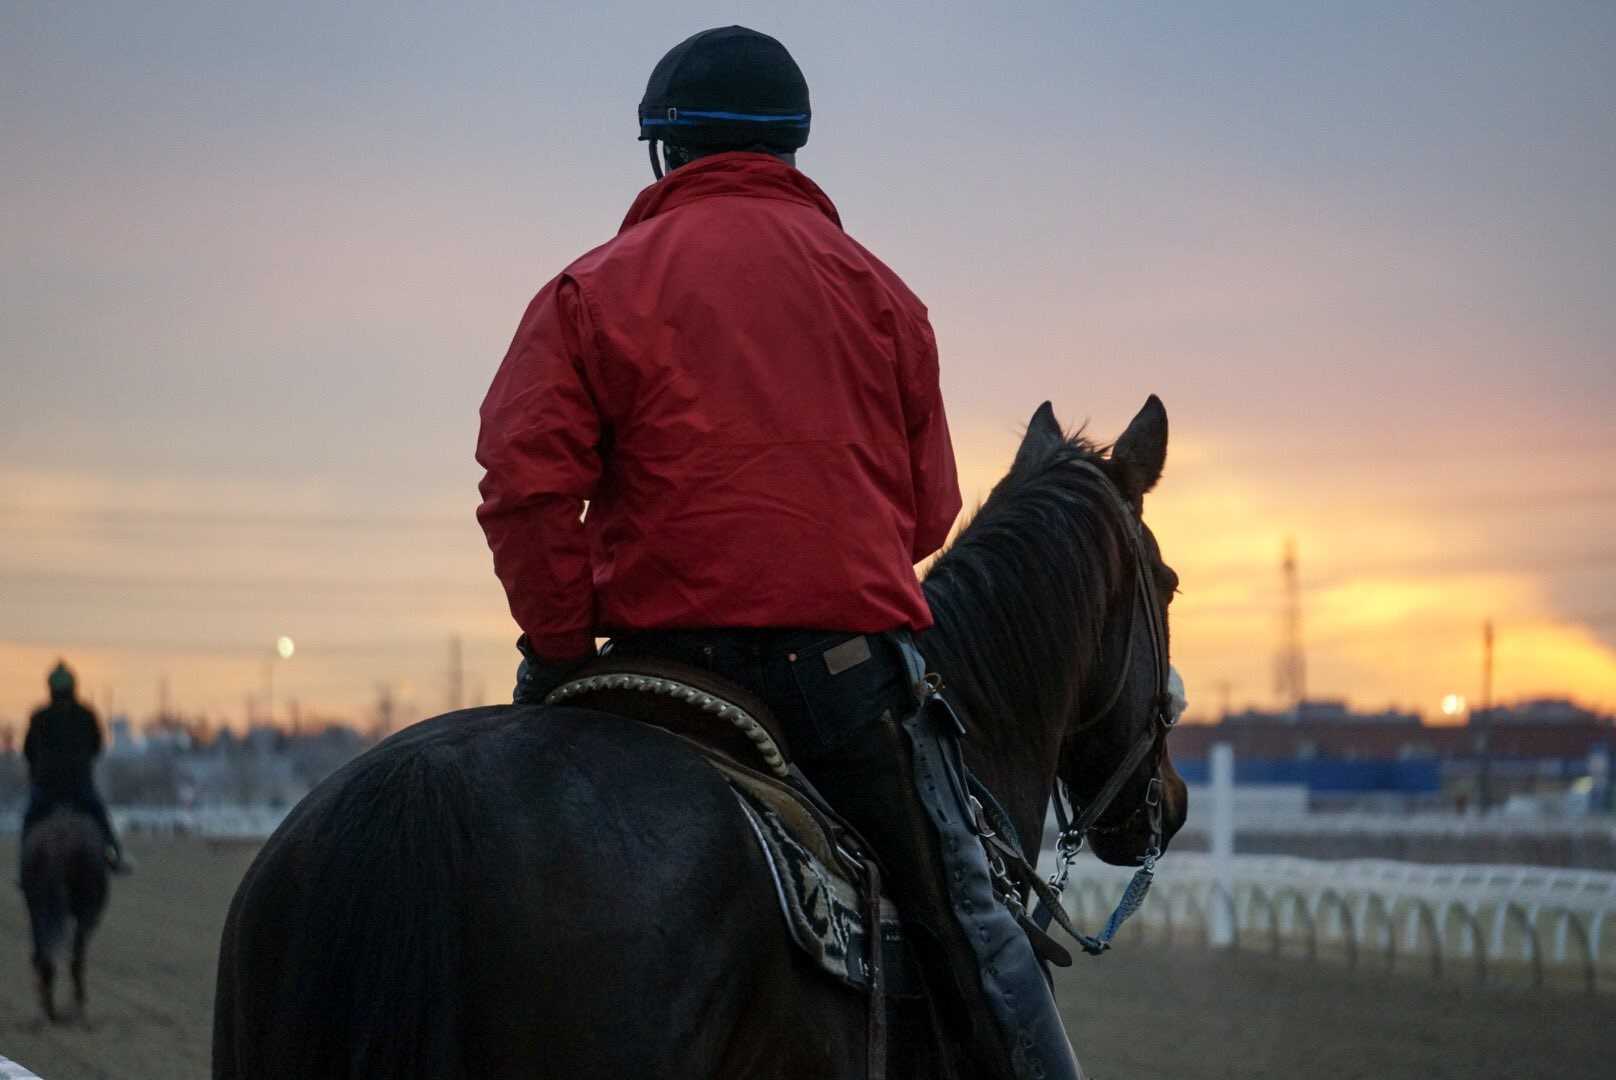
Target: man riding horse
<point>63,741</point>
<point>747,402</point>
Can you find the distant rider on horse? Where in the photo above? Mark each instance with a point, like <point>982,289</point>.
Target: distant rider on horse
<point>747,401</point>
<point>63,741</point>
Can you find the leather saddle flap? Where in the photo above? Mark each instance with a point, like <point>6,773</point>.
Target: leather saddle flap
<point>824,910</point>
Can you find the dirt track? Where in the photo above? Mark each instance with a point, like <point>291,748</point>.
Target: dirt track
<point>150,971</point>
<point>1143,1013</point>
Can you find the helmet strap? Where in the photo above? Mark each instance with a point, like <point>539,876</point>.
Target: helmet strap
<point>656,164</point>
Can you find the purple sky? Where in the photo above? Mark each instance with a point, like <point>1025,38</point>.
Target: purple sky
<point>258,268</point>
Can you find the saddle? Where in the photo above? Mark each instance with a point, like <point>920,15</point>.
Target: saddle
<point>826,879</point>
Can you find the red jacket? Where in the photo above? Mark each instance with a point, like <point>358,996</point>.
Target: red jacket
<point>748,402</point>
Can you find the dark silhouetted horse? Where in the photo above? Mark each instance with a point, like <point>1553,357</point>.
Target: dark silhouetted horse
<point>64,880</point>
<point>550,892</point>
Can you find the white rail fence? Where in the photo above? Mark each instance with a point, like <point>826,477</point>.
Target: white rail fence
<point>243,822</point>
<point>10,1070</point>
<point>246,821</point>
<point>1485,915</point>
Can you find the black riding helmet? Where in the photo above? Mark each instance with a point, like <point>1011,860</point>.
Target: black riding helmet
<point>728,88</point>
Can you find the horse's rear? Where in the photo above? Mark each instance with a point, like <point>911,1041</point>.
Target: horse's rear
<point>520,892</point>
<point>65,883</point>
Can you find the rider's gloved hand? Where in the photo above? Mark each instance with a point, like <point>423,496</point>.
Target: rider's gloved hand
<point>537,676</point>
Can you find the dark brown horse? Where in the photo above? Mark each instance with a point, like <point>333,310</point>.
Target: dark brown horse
<point>64,879</point>
<point>550,892</point>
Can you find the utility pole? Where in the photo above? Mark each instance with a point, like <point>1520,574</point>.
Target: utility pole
<point>1484,740</point>
<point>457,674</point>
<point>1487,664</point>
<point>269,689</point>
<point>1291,664</point>
<point>385,710</point>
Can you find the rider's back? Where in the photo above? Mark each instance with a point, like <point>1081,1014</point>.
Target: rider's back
<point>771,443</point>
<point>63,739</point>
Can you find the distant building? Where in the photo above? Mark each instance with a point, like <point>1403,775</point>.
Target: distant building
<point>1346,757</point>
<point>1322,711</point>
<point>121,739</point>
<point>264,738</point>
<point>1537,711</point>
<point>168,737</point>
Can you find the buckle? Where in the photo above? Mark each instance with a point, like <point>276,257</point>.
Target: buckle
<point>979,821</point>
<point>1153,792</point>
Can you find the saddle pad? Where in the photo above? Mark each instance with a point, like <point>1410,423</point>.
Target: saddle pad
<point>823,910</point>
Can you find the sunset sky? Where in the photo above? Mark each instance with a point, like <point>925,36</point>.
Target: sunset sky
<point>258,265</point>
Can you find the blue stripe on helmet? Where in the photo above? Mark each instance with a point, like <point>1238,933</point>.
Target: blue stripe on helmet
<point>794,119</point>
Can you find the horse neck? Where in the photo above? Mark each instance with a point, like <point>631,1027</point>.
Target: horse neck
<point>1019,601</point>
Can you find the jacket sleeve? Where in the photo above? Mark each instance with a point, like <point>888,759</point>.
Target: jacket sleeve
<point>539,446</point>
<point>931,450</point>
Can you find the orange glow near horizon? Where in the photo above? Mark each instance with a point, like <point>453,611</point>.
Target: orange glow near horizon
<point>1379,630</point>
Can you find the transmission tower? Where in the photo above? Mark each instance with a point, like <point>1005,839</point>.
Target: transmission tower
<point>1290,666</point>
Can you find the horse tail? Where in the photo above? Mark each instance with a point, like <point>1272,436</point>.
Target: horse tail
<point>361,981</point>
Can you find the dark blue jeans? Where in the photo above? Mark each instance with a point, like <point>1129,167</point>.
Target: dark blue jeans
<point>819,711</point>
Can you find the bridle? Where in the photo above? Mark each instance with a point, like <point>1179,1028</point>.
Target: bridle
<point>1014,876</point>
<point>1075,823</point>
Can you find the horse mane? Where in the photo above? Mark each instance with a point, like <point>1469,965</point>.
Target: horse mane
<point>1021,594</point>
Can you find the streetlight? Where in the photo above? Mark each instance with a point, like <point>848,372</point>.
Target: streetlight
<point>284,648</point>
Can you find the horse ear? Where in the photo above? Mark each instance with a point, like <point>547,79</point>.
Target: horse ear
<point>1043,434</point>
<point>1141,453</point>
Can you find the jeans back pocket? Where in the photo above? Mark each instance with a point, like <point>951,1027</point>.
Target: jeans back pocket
<point>842,698</point>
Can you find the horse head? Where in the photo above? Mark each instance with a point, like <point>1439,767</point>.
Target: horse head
<point>1051,636</point>
<point>1127,797</point>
